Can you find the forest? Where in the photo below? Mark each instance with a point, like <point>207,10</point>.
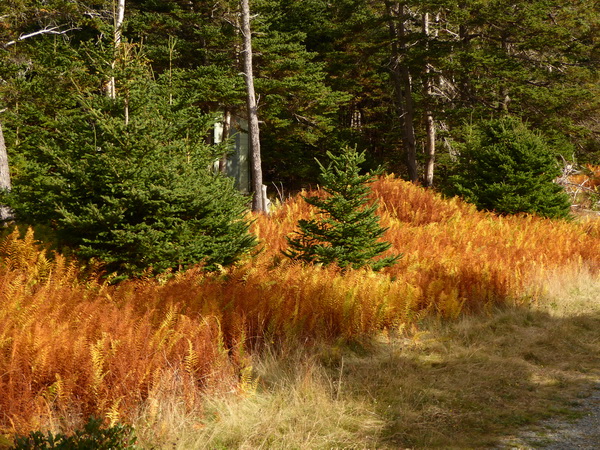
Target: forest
<point>109,111</point>
<point>410,164</point>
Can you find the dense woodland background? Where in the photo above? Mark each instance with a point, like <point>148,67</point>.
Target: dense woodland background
<point>395,78</point>
<point>108,109</point>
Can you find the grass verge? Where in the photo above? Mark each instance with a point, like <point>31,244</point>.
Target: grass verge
<point>463,384</point>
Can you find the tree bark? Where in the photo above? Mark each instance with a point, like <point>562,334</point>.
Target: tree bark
<point>429,121</point>
<point>119,18</point>
<point>258,203</point>
<point>5,212</point>
<point>225,139</point>
<point>464,82</point>
<point>402,84</point>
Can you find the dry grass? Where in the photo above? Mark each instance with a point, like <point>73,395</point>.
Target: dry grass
<point>464,384</point>
<point>298,405</point>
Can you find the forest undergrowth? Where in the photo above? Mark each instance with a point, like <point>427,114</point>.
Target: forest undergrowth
<point>175,353</point>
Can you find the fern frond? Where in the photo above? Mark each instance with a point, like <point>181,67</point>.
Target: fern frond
<point>113,414</point>
<point>191,359</point>
<point>248,382</point>
<point>98,359</point>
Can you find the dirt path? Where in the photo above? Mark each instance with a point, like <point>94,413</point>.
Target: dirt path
<point>556,434</point>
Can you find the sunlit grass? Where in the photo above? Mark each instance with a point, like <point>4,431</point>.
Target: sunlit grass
<point>469,383</point>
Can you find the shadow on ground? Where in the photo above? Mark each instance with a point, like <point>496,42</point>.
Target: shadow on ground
<point>468,384</point>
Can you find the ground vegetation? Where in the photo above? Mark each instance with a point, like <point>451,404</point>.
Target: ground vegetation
<point>147,351</point>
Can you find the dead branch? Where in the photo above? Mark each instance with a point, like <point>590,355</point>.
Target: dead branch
<point>47,30</point>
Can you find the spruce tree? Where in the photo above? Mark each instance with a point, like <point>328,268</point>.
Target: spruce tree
<point>507,168</point>
<point>347,229</point>
<point>134,191</point>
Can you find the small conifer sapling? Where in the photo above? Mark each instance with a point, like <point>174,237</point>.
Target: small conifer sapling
<point>508,168</point>
<point>346,230</point>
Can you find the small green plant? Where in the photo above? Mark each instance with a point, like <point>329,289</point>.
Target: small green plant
<point>348,231</point>
<point>91,437</point>
<point>507,168</point>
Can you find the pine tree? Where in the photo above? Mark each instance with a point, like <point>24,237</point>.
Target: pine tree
<point>348,231</point>
<point>508,168</point>
<point>135,194</point>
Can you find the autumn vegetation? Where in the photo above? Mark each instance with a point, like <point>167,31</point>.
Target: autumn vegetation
<point>73,345</point>
<point>174,272</point>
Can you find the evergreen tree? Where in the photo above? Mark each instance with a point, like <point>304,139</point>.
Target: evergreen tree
<point>327,72</point>
<point>134,194</point>
<point>297,107</point>
<point>507,168</point>
<point>348,231</point>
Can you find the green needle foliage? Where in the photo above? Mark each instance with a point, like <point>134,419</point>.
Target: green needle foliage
<point>508,168</point>
<point>92,436</point>
<point>135,193</point>
<point>348,231</point>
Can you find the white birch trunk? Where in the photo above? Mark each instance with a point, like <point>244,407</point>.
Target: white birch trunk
<point>119,18</point>
<point>225,138</point>
<point>429,121</point>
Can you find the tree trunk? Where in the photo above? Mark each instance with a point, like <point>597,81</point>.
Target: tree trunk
<point>430,149</point>
<point>5,212</point>
<point>258,203</point>
<point>225,140</point>
<point>429,122</point>
<point>119,17</point>
<point>402,85</point>
<point>504,97</point>
<point>464,81</point>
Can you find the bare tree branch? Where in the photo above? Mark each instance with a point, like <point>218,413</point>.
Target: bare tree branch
<point>47,30</point>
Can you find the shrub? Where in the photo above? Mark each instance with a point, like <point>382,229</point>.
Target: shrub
<point>348,231</point>
<point>507,168</point>
<point>134,193</point>
<point>91,437</point>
